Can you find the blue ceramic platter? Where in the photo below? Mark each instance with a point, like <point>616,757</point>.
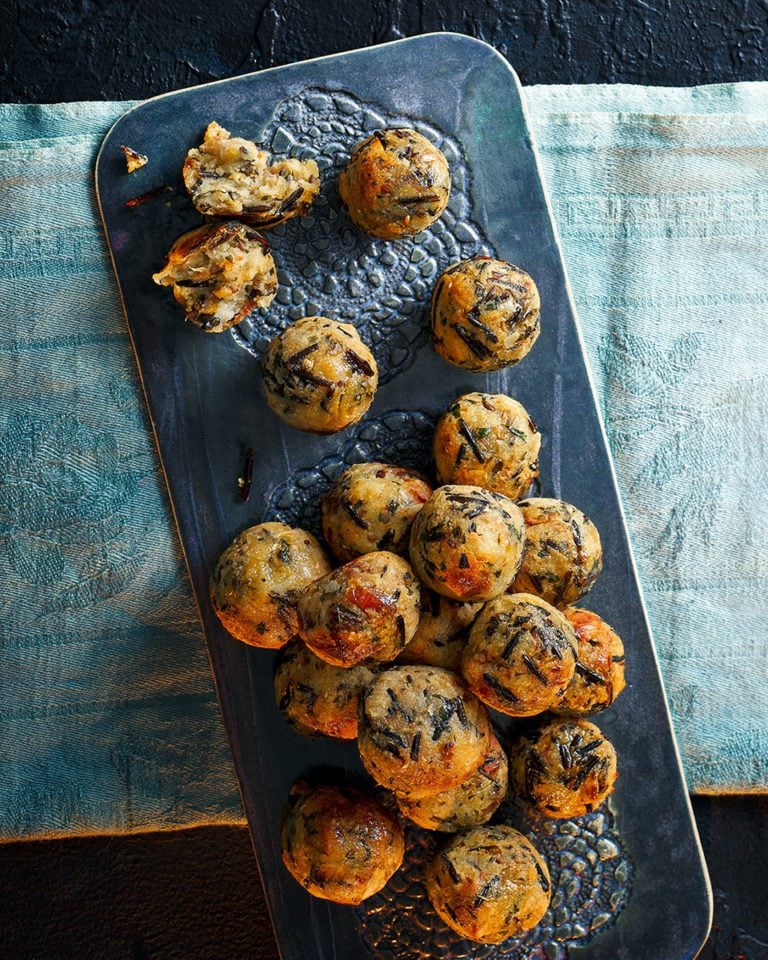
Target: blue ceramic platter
<point>630,880</point>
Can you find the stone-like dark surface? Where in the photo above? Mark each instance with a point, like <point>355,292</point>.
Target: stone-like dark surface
<point>196,893</point>
<point>136,48</point>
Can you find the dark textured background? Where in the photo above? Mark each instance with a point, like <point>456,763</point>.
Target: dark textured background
<point>195,895</point>
<point>115,49</point>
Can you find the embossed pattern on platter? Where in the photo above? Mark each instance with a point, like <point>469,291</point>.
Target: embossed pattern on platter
<point>591,879</point>
<point>327,267</point>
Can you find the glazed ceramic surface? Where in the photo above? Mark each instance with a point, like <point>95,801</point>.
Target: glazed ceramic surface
<point>630,883</point>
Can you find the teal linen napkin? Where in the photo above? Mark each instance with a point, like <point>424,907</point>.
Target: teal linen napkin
<point>108,719</point>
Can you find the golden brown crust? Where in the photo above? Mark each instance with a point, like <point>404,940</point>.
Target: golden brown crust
<point>316,697</point>
<point>257,579</point>
<point>319,376</point>
<point>396,184</point>
<point>367,609</point>
<point>219,273</point>
<point>563,555</point>
<point>371,506</point>
<point>230,177</point>
<point>489,884</point>
<point>487,440</point>
<point>442,632</point>
<point>565,769</point>
<point>599,675</point>
<point>468,805</point>
<point>521,655</point>
<point>339,843</point>
<point>421,731</point>
<point>467,543</point>
<point>484,314</point>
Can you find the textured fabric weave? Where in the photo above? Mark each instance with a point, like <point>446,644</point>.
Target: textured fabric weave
<point>108,719</point>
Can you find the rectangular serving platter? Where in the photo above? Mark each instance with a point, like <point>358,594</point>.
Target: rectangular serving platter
<point>633,883</point>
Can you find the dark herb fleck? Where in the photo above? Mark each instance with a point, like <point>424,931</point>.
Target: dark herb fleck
<point>462,713</point>
<point>534,768</point>
<point>471,440</point>
<point>589,675</point>
<point>587,767</point>
<point>474,343</point>
<point>355,360</point>
<point>511,644</point>
<point>291,200</point>
<point>542,877</point>
<point>427,198</point>
<point>352,511</point>
<point>451,870</point>
<point>499,688</point>
<point>298,357</point>
<point>481,326</point>
<point>534,669</point>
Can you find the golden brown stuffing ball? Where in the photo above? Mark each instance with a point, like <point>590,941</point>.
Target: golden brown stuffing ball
<point>599,675</point>
<point>489,884</point>
<point>467,543</point>
<point>487,440</point>
<point>484,314</point>
<point>367,609</point>
<point>371,507</point>
<point>316,697</point>
<point>470,804</point>
<point>421,731</point>
<point>396,184</point>
<point>565,769</point>
<point>521,655</point>
<point>441,635</point>
<point>257,579</point>
<point>227,176</point>
<point>563,555</point>
<point>339,843</point>
<point>219,273</point>
<point>319,376</point>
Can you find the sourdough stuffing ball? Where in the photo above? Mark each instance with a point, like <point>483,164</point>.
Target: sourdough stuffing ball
<point>563,555</point>
<point>420,731</point>
<point>257,579</point>
<point>371,507</point>
<point>316,697</point>
<point>319,376</point>
<point>599,675</point>
<point>487,440</point>
<point>470,804</point>
<point>467,543</point>
<point>396,184</point>
<point>484,314</point>
<point>219,273</point>
<point>565,769</point>
<point>489,884</point>
<point>441,635</point>
<point>339,843</point>
<point>521,655</point>
<point>230,177</point>
<point>367,609</point>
